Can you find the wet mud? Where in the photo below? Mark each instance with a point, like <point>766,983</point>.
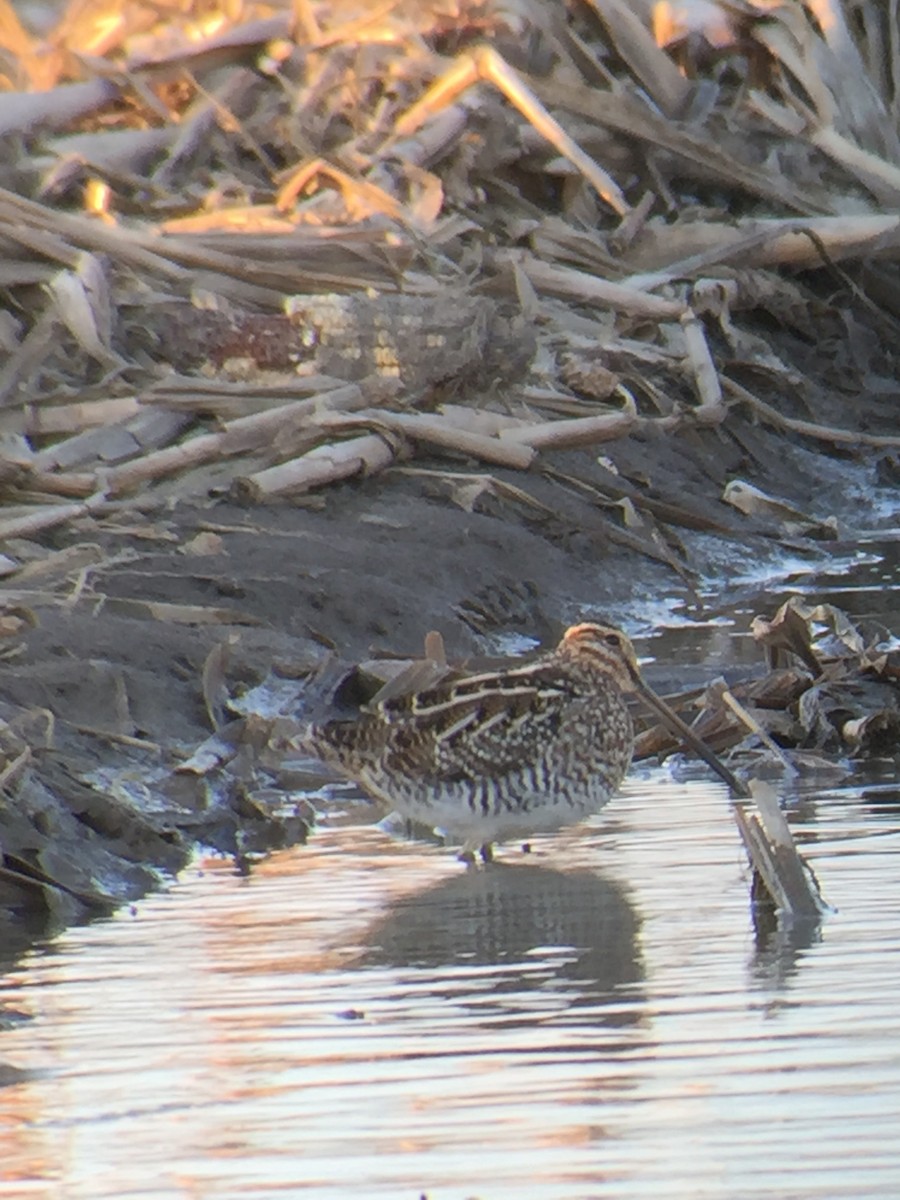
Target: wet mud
<point>106,692</point>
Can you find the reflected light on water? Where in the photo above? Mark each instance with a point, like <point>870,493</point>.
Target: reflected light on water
<point>365,1017</point>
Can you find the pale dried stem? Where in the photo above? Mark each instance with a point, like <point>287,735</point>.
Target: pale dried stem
<point>882,177</point>
<point>649,62</point>
<point>244,434</point>
<point>757,243</point>
<point>823,433</point>
<point>43,419</point>
<point>150,429</point>
<point>122,245</point>
<point>442,435</point>
<point>711,410</point>
<point>487,423</point>
<point>773,854</point>
<point>49,517</point>
<point>318,468</point>
<point>579,431</point>
<point>568,284</point>
<point>484,64</point>
<point>64,483</point>
<point>55,108</point>
<point>750,722</point>
<point>638,123</point>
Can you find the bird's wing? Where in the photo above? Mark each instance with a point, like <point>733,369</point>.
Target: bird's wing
<point>481,725</point>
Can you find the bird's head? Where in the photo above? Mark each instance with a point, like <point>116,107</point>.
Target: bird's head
<point>606,648</point>
<point>611,651</point>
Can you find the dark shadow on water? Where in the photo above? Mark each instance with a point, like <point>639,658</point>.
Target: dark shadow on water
<point>532,923</point>
<point>18,934</point>
<point>780,947</point>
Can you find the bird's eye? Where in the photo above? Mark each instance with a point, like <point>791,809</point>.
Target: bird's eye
<point>613,639</point>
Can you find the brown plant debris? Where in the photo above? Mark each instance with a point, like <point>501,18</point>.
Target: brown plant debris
<point>449,196</point>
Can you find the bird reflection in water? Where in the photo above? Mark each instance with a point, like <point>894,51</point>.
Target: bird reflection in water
<point>582,923</point>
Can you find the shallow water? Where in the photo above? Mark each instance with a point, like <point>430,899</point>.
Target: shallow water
<point>365,1017</point>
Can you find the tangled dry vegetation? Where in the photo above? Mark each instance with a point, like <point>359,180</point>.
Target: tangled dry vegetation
<point>255,249</point>
<point>258,247</point>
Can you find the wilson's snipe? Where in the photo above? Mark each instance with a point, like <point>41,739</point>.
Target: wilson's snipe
<point>485,758</point>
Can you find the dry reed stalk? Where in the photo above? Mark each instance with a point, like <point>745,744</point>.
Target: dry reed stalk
<point>427,144</point>
<point>711,410</point>
<point>243,434</point>
<point>17,272</point>
<point>229,398</point>
<point>484,64</point>
<point>723,693</point>
<point>22,112</point>
<point>647,61</point>
<point>881,177</point>
<point>113,443</point>
<point>272,266</point>
<point>64,483</point>
<point>42,242</point>
<point>443,435</point>
<point>770,845</point>
<point>299,413</point>
<point>60,565</point>
<point>173,459</point>
<point>44,419</point>
<point>362,197</point>
<point>365,455</point>
<point>822,433</point>
<point>826,62</point>
<point>107,151</point>
<point>153,428</point>
<point>482,421</point>
<point>195,50</point>
<point>569,284</point>
<point>256,219</point>
<point>578,431</point>
<point>100,445</point>
<point>760,243</point>
<point>19,216</point>
<point>351,260</point>
<point>27,356</point>
<point>231,91</point>
<point>49,517</point>
<point>555,240</point>
<point>699,152</point>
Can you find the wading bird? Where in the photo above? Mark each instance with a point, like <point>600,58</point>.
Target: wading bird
<point>526,749</point>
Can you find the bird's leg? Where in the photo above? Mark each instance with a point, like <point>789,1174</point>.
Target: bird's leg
<point>467,854</point>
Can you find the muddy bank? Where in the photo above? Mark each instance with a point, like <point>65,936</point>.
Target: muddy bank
<point>565,321</point>
<point>107,691</point>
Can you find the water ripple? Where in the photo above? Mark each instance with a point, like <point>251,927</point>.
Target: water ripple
<point>365,1017</point>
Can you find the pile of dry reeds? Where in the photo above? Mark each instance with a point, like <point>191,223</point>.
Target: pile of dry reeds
<point>257,247</point>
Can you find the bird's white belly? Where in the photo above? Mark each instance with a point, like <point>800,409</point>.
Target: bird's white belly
<point>473,816</point>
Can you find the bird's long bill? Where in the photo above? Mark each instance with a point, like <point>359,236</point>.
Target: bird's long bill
<point>673,722</point>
